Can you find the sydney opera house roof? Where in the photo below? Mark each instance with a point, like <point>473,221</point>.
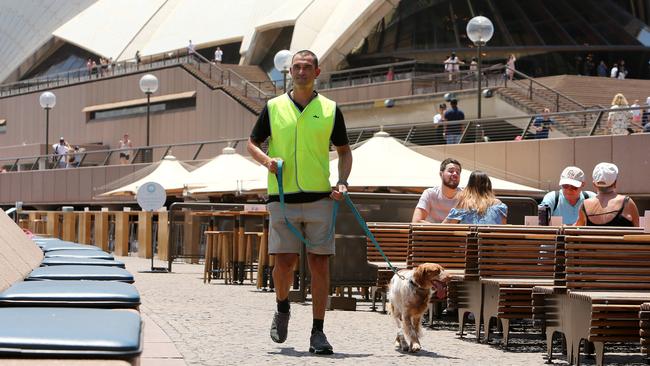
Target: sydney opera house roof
<point>118,28</point>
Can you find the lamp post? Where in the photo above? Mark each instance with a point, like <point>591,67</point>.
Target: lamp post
<point>148,85</point>
<point>47,101</point>
<point>480,31</point>
<point>282,63</point>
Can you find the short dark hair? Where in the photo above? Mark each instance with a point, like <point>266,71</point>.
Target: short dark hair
<point>448,161</point>
<point>306,53</point>
<point>453,101</point>
<point>443,106</point>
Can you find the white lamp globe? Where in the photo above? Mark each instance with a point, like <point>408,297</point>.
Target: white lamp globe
<point>47,100</point>
<point>149,84</point>
<point>480,30</point>
<point>282,60</point>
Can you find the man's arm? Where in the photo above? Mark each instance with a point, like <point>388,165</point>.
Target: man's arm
<point>259,156</point>
<point>345,166</point>
<point>419,215</point>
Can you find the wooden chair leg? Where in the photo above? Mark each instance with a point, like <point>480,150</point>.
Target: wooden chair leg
<point>207,264</point>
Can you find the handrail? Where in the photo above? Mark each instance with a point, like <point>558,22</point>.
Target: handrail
<point>232,72</point>
<point>532,80</point>
<point>108,152</point>
<point>480,124</point>
<point>82,74</point>
<point>374,67</point>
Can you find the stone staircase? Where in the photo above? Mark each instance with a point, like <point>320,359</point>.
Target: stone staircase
<point>517,94</point>
<point>589,92</point>
<point>255,105</point>
<point>256,76</point>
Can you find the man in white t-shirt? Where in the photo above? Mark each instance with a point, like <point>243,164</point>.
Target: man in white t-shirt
<point>436,202</point>
<point>218,55</point>
<point>61,151</point>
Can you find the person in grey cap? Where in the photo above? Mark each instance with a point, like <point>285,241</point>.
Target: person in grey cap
<point>567,201</point>
<point>608,208</point>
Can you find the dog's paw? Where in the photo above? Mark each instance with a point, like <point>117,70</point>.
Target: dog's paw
<point>404,344</point>
<point>398,341</point>
<point>415,347</point>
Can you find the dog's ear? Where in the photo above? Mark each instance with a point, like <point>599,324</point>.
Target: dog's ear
<point>432,270</point>
<point>419,275</point>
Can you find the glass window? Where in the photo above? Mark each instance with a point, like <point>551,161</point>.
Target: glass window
<point>3,125</point>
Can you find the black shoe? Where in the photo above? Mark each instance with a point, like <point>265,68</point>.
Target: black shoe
<point>279,327</point>
<point>319,345</point>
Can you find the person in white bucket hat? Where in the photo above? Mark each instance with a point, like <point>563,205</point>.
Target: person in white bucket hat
<point>608,208</point>
<point>567,200</point>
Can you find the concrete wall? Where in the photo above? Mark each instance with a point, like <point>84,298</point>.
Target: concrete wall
<point>215,116</point>
<point>538,163</point>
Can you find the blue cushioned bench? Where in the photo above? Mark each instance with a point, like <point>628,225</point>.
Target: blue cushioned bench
<point>70,273</point>
<point>72,253</point>
<point>51,245</point>
<point>66,332</point>
<point>50,328</point>
<point>105,294</point>
<point>75,261</point>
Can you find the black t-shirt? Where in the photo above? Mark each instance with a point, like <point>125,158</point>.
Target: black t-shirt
<point>454,114</point>
<point>262,131</point>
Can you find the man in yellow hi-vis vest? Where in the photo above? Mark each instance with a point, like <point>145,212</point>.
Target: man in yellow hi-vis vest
<point>299,126</point>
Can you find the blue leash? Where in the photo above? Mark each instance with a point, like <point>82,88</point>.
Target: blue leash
<point>335,209</point>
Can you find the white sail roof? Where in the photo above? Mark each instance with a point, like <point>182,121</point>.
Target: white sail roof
<point>169,173</point>
<point>383,161</point>
<point>228,172</point>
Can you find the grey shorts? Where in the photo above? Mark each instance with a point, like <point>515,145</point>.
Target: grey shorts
<point>313,219</point>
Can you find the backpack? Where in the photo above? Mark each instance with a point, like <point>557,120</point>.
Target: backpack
<point>557,199</point>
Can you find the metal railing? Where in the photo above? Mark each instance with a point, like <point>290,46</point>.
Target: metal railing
<point>100,71</point>
<point>228,77</point>
<point>133,65</point>
<point>533,87</point>
<point>505,128</point>
<point>103,157</point>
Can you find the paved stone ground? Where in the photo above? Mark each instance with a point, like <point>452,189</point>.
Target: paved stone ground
<point>221,324</point>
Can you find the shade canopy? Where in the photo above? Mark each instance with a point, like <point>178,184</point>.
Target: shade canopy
<point>169,173</point>
<point>226,173</point>
<point>384,161</point>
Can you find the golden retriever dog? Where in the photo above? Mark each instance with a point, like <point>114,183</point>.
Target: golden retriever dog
<point>409,297</point>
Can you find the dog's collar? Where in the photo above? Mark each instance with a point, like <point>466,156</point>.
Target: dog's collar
<point>412,283</point>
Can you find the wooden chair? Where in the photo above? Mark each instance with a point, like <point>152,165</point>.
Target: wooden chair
<point>551,304</point>
<point>252,245</point>
<point>218,259</point>
<point>644,331</point>
<point>447,246</point>
<point>394,240</point>
<point>608,279</point>
<point>513,260</point>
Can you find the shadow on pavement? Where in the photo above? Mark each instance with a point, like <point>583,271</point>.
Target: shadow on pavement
<point>292,352</point>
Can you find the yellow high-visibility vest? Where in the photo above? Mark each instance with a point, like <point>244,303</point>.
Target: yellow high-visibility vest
<point>302,141</point>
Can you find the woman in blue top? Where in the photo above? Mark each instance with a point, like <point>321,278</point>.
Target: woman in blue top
<point>477,203</point>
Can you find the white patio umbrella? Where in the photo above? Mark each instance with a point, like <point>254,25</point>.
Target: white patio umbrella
<point>226,173</point>
<point>384,161</point>
<point>169,173</point>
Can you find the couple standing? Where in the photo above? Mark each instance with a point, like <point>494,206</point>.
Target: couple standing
<point>476,204</point>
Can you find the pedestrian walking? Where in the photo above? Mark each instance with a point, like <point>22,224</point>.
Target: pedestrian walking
<point>299,126</point>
